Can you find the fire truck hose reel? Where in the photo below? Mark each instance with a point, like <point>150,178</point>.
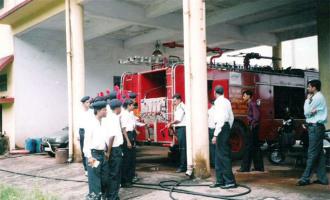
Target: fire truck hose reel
<point>168,185</point>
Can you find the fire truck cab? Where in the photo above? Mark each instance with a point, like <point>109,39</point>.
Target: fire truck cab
<point>273,92</point>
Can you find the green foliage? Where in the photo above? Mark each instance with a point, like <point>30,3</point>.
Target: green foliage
<point>11,193</point>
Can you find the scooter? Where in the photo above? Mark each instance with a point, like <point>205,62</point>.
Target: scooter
<point>287,146</point>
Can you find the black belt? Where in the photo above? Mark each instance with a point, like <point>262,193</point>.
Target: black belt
<point>97,151</point>
<point>315,124</point>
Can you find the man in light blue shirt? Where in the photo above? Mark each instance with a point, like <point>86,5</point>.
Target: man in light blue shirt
<point>315,110</point>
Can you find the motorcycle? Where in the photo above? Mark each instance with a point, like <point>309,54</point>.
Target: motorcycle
<point>288,146</point>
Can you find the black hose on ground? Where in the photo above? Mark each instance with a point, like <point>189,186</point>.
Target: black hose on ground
<point>167,185</point>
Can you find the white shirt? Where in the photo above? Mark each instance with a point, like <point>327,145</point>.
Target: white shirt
<point>112,126</point>
<point>180,115</point>
<point>85,117</point>
<point>94,137</point>
<point>223,113</point>
<point>211,113</point>
<point>127,121</point>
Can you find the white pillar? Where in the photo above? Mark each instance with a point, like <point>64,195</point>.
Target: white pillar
<point>196,86</point>
<point>75,70</point>
<point>277,52</point>
<point>323,33</point>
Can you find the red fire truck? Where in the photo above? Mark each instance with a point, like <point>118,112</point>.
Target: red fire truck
<point>274,91</point>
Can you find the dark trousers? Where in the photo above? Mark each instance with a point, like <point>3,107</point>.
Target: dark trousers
<point>223,165</point>
<point>253,152</point>
<point>98,176</point>
<point>129,159</point>
<point>181,132</point>
<point>82,138</point>
<point>211,146</point>
<point>315,155</point>
<point>114,177</point>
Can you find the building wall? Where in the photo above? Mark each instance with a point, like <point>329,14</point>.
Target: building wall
<point>41,82</point>
<point>8,115</point>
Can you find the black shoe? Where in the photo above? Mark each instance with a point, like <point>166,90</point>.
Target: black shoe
<point>258,170</point>
<point>180,170</point>
<point>126,185</point>
<point>228,186</point>
<point>302,183</point>
<point>215,185</point>
<point>242,171</point>
<point>135,179</point>
<point>319,182</point>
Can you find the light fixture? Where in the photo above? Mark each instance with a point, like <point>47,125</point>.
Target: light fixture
<point>157,52</point>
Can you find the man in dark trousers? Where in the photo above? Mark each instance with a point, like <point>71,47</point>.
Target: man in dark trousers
<point>224,119</point>
<point>179,123</point>
<point>114,141</point>
<point>252,151</point>
<point>316,113</point>
<point>94,147</point>
<point>85,116</point>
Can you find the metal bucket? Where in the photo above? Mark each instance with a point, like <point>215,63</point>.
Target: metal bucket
<point>61,155</point>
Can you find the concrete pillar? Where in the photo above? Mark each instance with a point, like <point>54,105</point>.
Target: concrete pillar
<point>277,53</point>
<point>196,86</point>
<point>75,70</point>
<point>323,33</point>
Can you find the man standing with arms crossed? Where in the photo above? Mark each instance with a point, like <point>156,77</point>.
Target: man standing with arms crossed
<point>316,113</point>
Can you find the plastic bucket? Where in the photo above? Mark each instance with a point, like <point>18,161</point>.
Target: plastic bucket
<point>61,155</point>
<point>30,145</point>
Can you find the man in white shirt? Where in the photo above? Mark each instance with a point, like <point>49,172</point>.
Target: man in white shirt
<point>94,147</point>
<point>84,118</point>
<point>129,124</point>
<point>114,140</point>
<point>179,123</point>
<point>224,119</point>
<point>211,125</point>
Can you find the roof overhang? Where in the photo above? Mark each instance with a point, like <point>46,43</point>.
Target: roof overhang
<point>31,12</point>
<point>5,61</point>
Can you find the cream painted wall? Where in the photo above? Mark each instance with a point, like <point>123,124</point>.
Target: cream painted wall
<point>41,85</point>
<point>8,114</point>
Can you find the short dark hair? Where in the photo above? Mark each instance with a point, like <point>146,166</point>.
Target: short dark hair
<point>315,83</point>
<point>248,92</point>
<point>127,103</point>
<point>219,90</point>
<point>177,96</point>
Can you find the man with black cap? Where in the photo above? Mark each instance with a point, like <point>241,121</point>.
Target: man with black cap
<point>179,123</point>
<point>224,119</point>
<point>94,147</point>
<point>84,119</point>
<point>129,125</point>
<point>114,140</point>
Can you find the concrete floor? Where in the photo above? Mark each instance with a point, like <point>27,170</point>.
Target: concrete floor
<point>277,183</point>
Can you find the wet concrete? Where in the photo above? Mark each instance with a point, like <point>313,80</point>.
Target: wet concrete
<point>277,183</point>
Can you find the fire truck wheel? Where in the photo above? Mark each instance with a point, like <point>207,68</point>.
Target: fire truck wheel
<point>238,137</point>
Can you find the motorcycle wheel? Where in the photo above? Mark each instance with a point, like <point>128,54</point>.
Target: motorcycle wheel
<point>276,156</point>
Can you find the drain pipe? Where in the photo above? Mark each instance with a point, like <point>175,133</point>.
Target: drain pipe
<point>69,76</point>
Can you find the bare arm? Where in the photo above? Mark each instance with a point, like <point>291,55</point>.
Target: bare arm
<point>108,153</point>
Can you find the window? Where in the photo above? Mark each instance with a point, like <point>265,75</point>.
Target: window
<point>3,82</point>
<point>290,97</point>
<point>1,4</point>
<point>116,81</point>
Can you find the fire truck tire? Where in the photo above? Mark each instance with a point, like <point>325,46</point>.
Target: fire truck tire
<point>238,137</point>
